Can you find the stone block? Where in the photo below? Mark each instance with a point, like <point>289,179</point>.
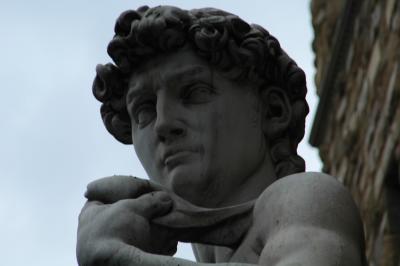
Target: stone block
<point>368,136</point>
<point>391,86</point>
<point>341,110</point>
<point>390,4</point>
<point>342,170</point>
<point>378,245</point>
<point>359,77</point>
<point>363,181</point>
<point>375,19</point>
<point>395,25</point>
<point>349,59</point>
<point>363,97</point>
<point>374,63</point>
<point>391,140</point>
<point>319,18</point>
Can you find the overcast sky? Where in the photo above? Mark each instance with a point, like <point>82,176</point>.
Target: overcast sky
<point>52,140</point>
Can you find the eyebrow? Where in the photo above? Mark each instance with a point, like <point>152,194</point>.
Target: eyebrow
<point>177,75</point>
<point>182,74</point>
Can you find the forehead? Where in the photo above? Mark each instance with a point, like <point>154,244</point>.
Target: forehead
<point>169,68</point>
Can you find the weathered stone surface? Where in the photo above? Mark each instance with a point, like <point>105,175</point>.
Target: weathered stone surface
<point>389,10</point>
<point>366,114</point>
<point>324,19</point>
<point>215,110</point>
<point>374,62</point>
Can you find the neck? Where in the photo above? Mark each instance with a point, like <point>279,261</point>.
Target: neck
<point>253,186</point>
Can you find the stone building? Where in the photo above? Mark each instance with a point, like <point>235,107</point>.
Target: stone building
<point>357,124</point>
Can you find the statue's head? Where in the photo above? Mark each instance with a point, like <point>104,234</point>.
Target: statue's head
<point>202,85</point>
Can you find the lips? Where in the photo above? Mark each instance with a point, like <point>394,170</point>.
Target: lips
<point>175,156</point>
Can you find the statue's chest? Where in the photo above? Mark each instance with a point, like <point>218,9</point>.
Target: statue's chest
<point>248,252</point>
<point>249,249</point>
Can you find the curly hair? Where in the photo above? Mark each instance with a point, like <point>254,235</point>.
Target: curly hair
<point>238,50</point>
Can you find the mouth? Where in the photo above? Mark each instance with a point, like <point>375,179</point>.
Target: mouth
<point>174,157</point>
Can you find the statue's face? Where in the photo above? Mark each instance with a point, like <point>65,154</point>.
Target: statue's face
<point>196,132</point>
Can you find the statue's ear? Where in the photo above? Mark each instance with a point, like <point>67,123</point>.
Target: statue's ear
<point>277,112</point>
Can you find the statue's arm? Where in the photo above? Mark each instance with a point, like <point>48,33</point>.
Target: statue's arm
<point>115,229</point>
<point>309,219</point>
<point>306,219</point>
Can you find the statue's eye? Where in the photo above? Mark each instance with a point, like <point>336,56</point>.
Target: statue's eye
<point>196,94</point>
<point>144,113</point>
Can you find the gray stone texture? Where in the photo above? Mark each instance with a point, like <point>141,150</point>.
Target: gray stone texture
<point>215,110</point>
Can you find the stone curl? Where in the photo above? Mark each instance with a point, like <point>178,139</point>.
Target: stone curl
<point>238,50</point>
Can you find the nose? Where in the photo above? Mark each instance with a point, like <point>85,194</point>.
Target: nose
<point>168,126</point>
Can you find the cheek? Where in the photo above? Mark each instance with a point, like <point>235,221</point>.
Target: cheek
<point>242,136</point>
<point>145,149</point>
<point>213,129</point>
<point>222,140</point>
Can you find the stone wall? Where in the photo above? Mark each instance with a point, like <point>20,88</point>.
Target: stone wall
<point>358,128</point>
<point>324,19</point>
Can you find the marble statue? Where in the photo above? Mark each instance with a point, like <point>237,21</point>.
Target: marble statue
<point>215,110</point>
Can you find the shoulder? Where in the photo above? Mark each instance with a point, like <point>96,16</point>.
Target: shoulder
<point>308,189</point>
<point>309,198</point>
<point>307,180</point>
<point>312,210</point>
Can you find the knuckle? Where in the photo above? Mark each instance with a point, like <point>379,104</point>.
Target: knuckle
<point>89,210</point>
<point>127,209</point>
<point>161,196</point>
<point>123,205</point>
<point>133,207</point>
<point>138,187</point>
<point>158,199</point>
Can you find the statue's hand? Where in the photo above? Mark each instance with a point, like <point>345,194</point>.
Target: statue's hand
<point>114,223</point>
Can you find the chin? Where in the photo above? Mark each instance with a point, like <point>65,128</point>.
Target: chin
<point>186,183</point>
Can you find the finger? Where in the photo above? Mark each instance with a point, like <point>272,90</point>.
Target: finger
<point>115,188</point>
<point>149,205</point>
<point>89,212</point>
<point>130,255</point>
<point>154,204</point>
<point>91,204</point>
